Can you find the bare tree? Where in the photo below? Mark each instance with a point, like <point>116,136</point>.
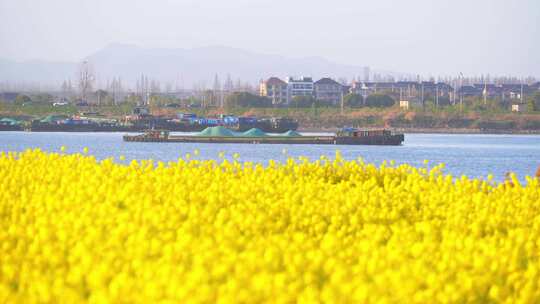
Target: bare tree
<point>66,89</point>
<point>168,88</point>
<point>155,87</point>
<point>86,79</point>
<point>228,86</point>
<point>143,89</point>
<point>216,94</point>
<point>238,85</point>
<point>115,88</point>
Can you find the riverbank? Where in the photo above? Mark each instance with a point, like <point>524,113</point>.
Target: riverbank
<point>435,131</point>
<point>441,121</point>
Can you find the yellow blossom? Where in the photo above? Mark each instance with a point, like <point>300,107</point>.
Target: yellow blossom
<point>75,229</point>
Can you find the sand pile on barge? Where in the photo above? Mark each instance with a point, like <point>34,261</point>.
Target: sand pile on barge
<point>254,132</point>
<point>291,133</point>
<point>220,131</point>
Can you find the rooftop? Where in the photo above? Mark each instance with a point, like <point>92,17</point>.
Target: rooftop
<point>301,79</point>
<point>274,81</point>
<point>327,80</point>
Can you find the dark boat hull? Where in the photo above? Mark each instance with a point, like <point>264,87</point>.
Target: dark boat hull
<point>394,140</point>
<point>139,127</point>
<point>382,140</point>
<point>81,128</point>
<point>10,128</point>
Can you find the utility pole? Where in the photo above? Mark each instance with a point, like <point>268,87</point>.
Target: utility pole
<point>461,91</point>
<point>423,101</point>
<point>485,93</point>
<point>437,96</point>
<point>521,93</point>
<point>455,92</point>
<point>342,102</point>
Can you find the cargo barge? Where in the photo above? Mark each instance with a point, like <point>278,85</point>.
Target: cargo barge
<point>9,124</point>
<point>256,136</point>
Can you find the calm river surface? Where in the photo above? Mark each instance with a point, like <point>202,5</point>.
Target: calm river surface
<point>471,155</point>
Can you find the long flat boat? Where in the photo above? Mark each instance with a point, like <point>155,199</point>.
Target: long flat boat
<point>343,137</point>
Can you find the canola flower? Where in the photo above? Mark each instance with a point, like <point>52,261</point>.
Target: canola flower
<point>74,229</point>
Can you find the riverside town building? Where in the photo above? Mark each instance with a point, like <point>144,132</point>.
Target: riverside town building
<point>275,89</point>
<point>330,92</point>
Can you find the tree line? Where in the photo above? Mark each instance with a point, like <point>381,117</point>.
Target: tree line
<point>246,99</point>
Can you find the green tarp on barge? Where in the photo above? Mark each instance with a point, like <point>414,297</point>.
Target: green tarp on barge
<point>220,131</point>
<point>253,132</point>
<point>291,133</point>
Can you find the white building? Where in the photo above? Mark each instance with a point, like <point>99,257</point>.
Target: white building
<point>518,107</point>
<point>302,86</point>
<point>404,104</point>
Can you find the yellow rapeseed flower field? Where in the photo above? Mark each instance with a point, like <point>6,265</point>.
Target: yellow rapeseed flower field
<point>74,229</point>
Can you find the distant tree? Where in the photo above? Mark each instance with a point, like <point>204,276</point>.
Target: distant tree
<point>193,101</point>
<point>531,105</point>
<point>115,87</point>
<point>246,99</point>
<point>209,97</point>
<point>379,101</point>
<point>42,98</point>
<point>444,101</point>
<point>66,88</point>
<point>536,100</point>
<point>228,86</point>
<point>168,87</point>
<point>238,86</point>
<point>217,98</point>
<point>158,100</point>
<point>101,95</point>
<point>353,100</point>
<point>22,99</point>
<point>133,99</point>
<point>304,101</point>
<point>86,79</point>
<point>155,87</point>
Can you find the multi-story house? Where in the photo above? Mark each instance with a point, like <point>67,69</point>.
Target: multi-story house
<point>328,91</point>
<point>360,88</point>
<point>275,89</point>
<point>302,86</point>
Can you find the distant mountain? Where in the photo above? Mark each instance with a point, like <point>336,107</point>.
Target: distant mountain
<point>167,65</point>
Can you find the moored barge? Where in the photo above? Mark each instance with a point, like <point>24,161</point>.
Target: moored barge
<point>343,137</point>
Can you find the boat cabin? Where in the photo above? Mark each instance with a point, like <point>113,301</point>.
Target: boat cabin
<point>157,134</point>
<point>353,132</point>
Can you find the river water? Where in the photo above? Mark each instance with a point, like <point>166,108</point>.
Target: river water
<point>471,155</point>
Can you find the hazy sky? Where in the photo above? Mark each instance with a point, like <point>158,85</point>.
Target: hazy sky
<point>416,36</point>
